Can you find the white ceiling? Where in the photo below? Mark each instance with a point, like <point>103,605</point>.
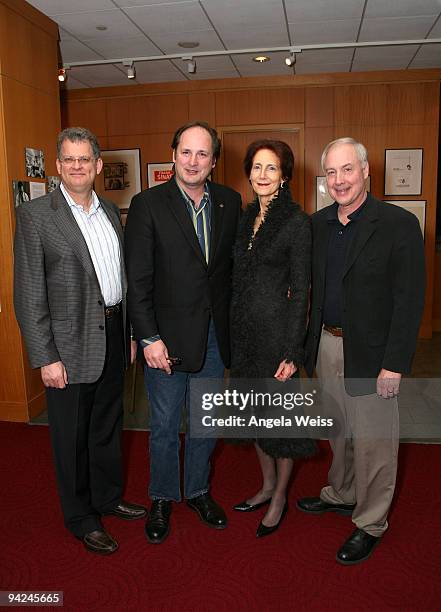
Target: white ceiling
<point>140,28</point>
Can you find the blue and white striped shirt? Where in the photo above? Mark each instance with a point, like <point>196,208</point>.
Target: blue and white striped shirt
<point>103,245</point>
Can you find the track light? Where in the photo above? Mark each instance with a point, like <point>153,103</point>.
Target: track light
<point>291,59</point>
<point>191,64</point>
<point>62,74</point>
<point>131,72</point>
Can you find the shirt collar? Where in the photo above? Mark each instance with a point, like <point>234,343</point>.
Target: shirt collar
<point>205,198</point>
<point>332,215</point>
<point>93,207</point>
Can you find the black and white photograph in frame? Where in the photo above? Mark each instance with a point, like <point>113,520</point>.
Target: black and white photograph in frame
<point>403,172</point>
<point>52,183</point>
<point>34,160</point>
<point>21,192</point>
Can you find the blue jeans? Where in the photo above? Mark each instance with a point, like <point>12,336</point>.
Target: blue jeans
<point>167,395</point>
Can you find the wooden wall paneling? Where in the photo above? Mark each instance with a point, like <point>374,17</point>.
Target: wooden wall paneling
<point>410,104</point>
<point>251,107</point>
<point>24,9</point>
<point>319,107</point>
<point>12,382</point>
<point>146,114</point>
<point>436,309</point>
<point>235,140</point>
<point>30,116</point>
<point>360,105</point>
<point>28,52</point>
<point>24,108</point>
<point>202,107</point>
<point>417,76</point>
<point>91,114</point>
<point>316,138</point>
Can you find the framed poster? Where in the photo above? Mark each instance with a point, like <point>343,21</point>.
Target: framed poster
<point>417,207</point>
<point>322,197</point>
<point>403,171</point>
<point>159,173</point>
<point>120,178</point>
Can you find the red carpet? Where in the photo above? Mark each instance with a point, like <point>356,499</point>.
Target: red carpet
<point>202,569</point>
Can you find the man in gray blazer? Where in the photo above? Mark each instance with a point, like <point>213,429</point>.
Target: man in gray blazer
<point>69,295</point>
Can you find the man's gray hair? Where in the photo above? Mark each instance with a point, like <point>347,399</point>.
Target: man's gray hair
<point>360,150</point>
<point>78,134</point>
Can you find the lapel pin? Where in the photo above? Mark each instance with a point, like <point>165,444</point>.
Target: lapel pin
<point>221,205</point>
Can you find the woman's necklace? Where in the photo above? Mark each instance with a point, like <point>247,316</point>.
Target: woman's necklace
<point>260,218</point>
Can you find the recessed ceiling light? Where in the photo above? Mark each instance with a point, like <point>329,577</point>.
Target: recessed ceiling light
<point>101,28</point>
<point>261,59</point>
<point>188,44</point>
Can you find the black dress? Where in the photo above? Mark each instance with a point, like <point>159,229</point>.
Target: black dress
<point>271,278</point>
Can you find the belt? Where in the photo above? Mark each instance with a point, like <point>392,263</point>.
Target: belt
<point>110,311</point>
<point>335,331</point>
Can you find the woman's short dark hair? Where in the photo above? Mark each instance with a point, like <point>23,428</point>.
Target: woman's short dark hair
<point>279,148</point>
<point>202,124</point>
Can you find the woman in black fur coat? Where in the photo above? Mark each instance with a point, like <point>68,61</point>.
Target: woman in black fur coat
<point>271,278</point>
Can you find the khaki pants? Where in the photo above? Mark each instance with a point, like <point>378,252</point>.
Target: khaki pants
<point>364,465</point>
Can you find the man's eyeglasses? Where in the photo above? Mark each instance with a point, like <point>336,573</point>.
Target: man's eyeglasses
<point>83,160</point>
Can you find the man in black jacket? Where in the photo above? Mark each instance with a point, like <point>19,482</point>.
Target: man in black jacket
<point>366,306</point>
<point>179,239</point>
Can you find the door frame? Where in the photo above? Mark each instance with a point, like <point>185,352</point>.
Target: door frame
<point>267,127</point>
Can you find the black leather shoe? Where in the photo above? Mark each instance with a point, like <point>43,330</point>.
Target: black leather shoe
<point>157,526</point>
<point>209,511</point>
<point>246,507</point>
<point>128,512</point>
<point>357,548</point>
<point>315,505</point>
<point>100,542</point>
<point>263,530</point>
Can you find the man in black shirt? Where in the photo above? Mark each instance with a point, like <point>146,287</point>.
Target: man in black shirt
<point>367,302</point>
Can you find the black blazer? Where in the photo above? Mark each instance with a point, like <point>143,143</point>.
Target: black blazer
<point>383,292</point>
<point>172,291</point>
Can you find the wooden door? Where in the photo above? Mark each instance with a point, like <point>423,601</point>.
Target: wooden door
<point>234,144</point>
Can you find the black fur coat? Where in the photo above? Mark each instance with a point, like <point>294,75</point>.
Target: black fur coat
<point>271,278</point>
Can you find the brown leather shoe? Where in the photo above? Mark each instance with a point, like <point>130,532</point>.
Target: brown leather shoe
<point>100,542</point>
<point>128,512</point>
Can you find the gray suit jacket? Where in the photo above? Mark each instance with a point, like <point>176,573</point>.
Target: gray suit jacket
<point>57,297</point>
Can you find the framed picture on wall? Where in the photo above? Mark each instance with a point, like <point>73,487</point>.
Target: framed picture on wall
<point>322,197</point>
<point>417,207</point>
<point>120,178</point>
<point>403,171</point>
<point>159,173</point>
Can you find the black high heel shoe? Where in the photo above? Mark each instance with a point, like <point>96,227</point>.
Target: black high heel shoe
<point>246,507</point>
<point>263,530</point>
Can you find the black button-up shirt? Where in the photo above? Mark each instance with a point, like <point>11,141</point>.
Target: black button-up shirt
<point>340,238</point>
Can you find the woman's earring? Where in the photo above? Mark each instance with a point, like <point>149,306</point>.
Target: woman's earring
<point>282,183</point>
